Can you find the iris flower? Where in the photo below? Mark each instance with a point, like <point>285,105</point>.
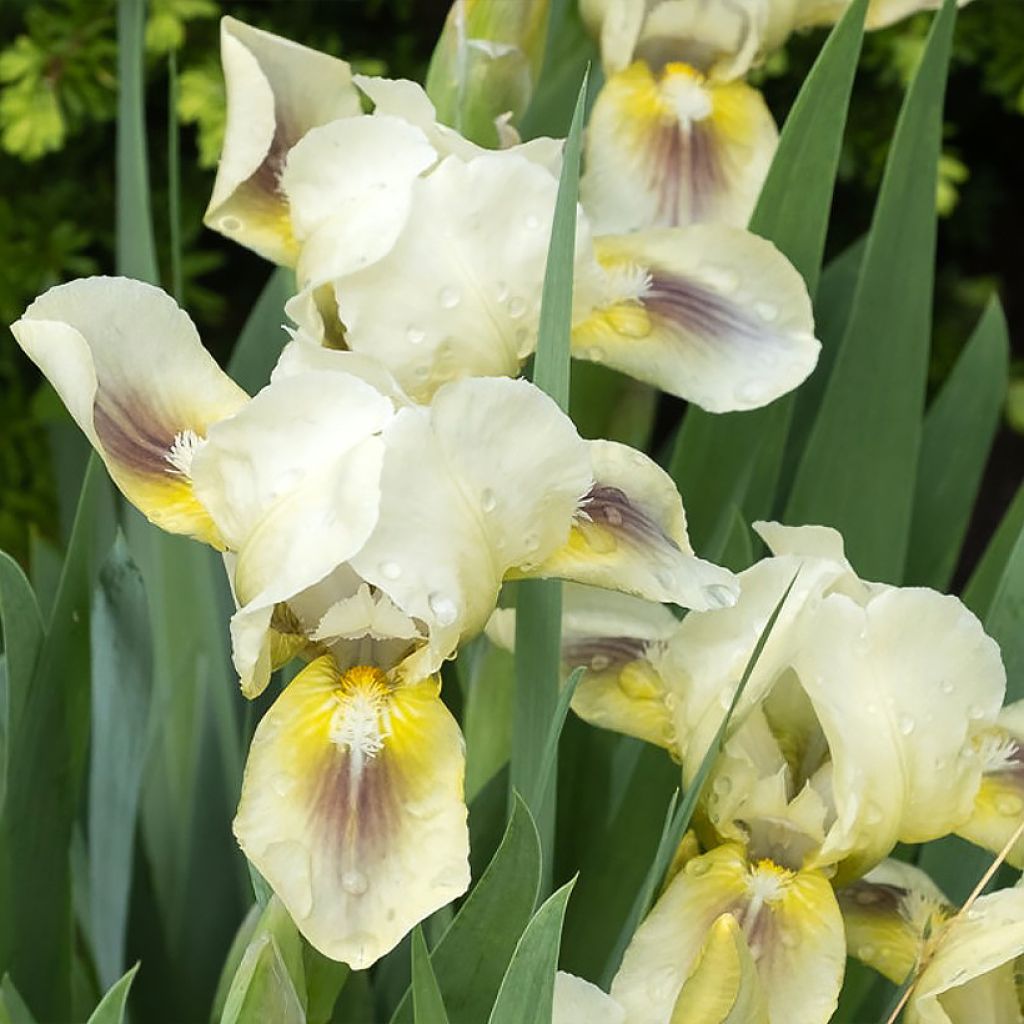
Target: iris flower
<point>370,535</point>
<point>867,720</point>
<point>707,312</point>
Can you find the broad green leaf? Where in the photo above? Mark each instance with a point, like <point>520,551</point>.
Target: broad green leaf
<point>680,812</point>
<point>136,250</point>
<point>428,1006</point>
<point>982,586</point>
<point>324,981</point>
<point>470,959</point>
<point>539,602</point>
<point>528,989</point>
<point>857,472</point>
<point>111,1009</point>
<point>263,335</point>
<point>738,549</point>
<point>549,752</point>
<point>12,1007</point>
<point>262,990</point>
<point>487,718</point>
<point>958,433</point>
<point>46,742</point>
<point>239,945</point>
<point>713,453</point>
<point>122,670</point>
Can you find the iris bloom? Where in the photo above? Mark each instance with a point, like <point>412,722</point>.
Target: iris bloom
<point>866,721</point>
<point>709,313</point>
<point>371,535</point>
<point>896,918</point>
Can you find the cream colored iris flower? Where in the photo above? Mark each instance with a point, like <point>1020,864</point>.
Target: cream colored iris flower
<point>707,312</point>
<point>869,719</point>
<point>371,535</point>
<point>965,964</point>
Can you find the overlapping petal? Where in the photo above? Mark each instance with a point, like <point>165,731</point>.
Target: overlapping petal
<point>674,148</point>
<point>790,922</point>
<point>630,535</point>
<point>578,1000</point>
<point>352,807</point>
<point>128,364</point>
<point>276,91</point>
<point>712,314</point>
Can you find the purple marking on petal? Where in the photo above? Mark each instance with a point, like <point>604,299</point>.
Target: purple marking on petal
<point>683,156</point>
<point>132,433</point>
<point>616,651</point>
<point>695,308</point>
<point>612,508</point>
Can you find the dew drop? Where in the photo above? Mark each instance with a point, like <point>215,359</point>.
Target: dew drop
<point>1008,805</point>
<point>975,711</point>
<point>230,224</point>
<point>722,785</point>
<point>599,662</point>
<point>422,372</point>
<point>532,221</point>
<point>449,297</point>
<point>697,867</point>
<point>516,306</point>
<point>866,952</point>
<point>415,336</point>
<point>488,501</point>
<point>390,570</point>
<point>872,814</point>
<point>532,541</point>
<point>612,516</point>
<point>946,686</point>
<point>906,725</point>
<point>719,596</point>
<point>282,784</point>
<point>595,354</point>
<point>766,311</point>
<point>354,882</point>
<point>722,279</point>
<point>444,608</point>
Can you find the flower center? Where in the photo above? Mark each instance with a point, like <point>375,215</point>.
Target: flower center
<point>183,450</point>
<point>361,722</point>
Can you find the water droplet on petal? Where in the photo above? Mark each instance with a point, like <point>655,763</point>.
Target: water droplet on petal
<point>516,306</point>
<point>354,882</point>
<point>390,570</point>
<point>906,725</point>
<point>1009,805</point>
<point>488,501</point>
<point>595,354</point>
<point>532,221</point>
<point>599,662</point>
<point>766,311</point>
<point>697,867</point>
<point>613,516</point>
<point>449,297</point>
<point>722,785</point>
<point>722,279</point>
<point>230,224</point>
<point>866,952</point>
<point>415,336</point>
<point>283,783</point>
<point>946,686</point>
<point>720,596</point>
<point>444,608</point>
<point>975,711</point>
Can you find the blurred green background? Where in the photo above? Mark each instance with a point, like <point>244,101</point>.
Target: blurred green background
<point>58,90</point>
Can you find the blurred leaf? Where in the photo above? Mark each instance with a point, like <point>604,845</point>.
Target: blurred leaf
<point>262,990</point>
<point>428,1006</point>
<point>983,585</point>
<point>958,433</point>
<point>48,728</point>
<point>1004,619</point>
<point>735,458</point>
<point>738,548</point>
<point>470,959</point>
<point>165,27</point>
<point>857,472</point>
<point>325,979</point>
<point>263,336</point>
<point>549,751</point>
<point>539,602</point>
<point>122,673</point>
<point>201,101</point>
<point>527,991</point>
<point>239,945</point>
<point>111,1009</point>
<point>12,1008</point>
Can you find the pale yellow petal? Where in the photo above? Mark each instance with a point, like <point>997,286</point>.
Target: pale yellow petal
<point>352,808</point>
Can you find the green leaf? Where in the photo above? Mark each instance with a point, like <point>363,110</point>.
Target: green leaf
<point>122,671</point>
<point>12,1007</point>
<point>1004,620</point>
<point>262,337</point>
<point>428,1006</point>
<point>857,472</point>
<point>679,815</point>
<point>528,989</point>
<point>549,752</point>
<point>111,1009</point>
<point>715,454</point>
<point>469,960</point>
<point>981,588</point>
<point>46,742</point>
<point>262,990</point>
<point>136,250</point>
<point>325,979</point>
<point>958,433</point>
<point>539,602</point>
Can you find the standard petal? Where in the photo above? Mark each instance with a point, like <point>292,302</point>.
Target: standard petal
<point>898,686</point>
<point>349,186</point>
<point>710,313</point>
<point>999,803</point>
<point>486,478</point>
<point>472,254</point>
<point>128,364</point>
<point>276,91</point>
<point>674,149</point>
<point>889,913</point>
<point>630,535</point>
<point>724,987</point>
<point>352,808</point>
<point>790,922</point>
<point>970,979</point>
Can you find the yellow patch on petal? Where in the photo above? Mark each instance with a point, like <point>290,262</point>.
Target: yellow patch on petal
<point>352,807</point>
<point>999,804</point>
